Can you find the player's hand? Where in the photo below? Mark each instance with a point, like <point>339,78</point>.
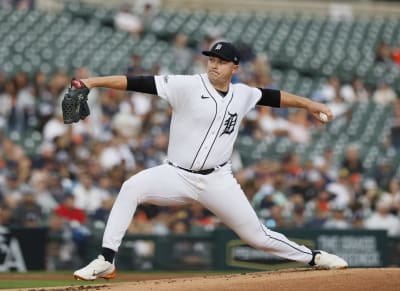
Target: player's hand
<point>316,108</point>
<point>86,83</point>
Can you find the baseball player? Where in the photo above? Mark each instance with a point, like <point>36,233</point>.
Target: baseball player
<point>207,110</point>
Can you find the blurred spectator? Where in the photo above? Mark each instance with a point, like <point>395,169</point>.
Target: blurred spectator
<point>3,79</point>
<point>325,164</point>
<point>8,100</point>
<point>27,213</point>
<point>25,104</point>
<point>147,13</point>
<point>360,91</point>
<point>181,53</point>
<point>395,126</point>
<point>101,214</point>
<point>88,197</point>
<point>341,190</point>
<point>369,197</point>
<point>17,103</point>
<point>116,152</point>
<point>140,223</point>
<point>316,183</point>
<point>69,212</point>
<point>199,65</point>
<point>354,92</point>
<point>328,90</point>
<point>179,226</point>
<point>383,53</point>
<point>139,105</point>
<point>12,189</point>
<point>55,127</point>
<point>44,199</point>
<point>381,218</point>
<point>5,215</point>
<point>201,217</point>
<point>396,55</point>
<point>291,173</point>
<point>394,193</point>
<point>352,161</point>
<point>135,67</point>
<point>294,211</point>
<point>126,125</point>
<point>125,20</point>
<point>58,241</point>
<point>338,218</point>
<point>318,219</point>
<point>271,123</point>
<point>338,106</point>
<point>45,102</point>
<point>275,218</point>
<point>384,173</point>
<point>45,157</point>
<point>384,94</point>
<point>298,127</point>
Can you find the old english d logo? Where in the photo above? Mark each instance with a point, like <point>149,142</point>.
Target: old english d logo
<point>230,123</point>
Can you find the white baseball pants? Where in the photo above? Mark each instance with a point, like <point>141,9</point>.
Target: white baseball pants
<point>219,192</point>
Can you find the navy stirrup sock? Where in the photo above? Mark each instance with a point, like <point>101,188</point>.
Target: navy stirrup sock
<point>108,254</point>
<point>312,262</point>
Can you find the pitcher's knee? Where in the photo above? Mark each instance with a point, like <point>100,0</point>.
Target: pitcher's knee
<point>130,188</point>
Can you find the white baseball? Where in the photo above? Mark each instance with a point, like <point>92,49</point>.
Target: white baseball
<point>323,117</point>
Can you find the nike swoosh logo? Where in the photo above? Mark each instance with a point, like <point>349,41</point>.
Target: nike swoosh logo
<point>98,273</point>
<point>204,97</point>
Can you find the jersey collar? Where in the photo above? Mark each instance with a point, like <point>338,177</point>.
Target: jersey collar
<point>212,90</point>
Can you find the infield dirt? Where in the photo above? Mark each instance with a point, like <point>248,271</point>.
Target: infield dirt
<point>383,279</point>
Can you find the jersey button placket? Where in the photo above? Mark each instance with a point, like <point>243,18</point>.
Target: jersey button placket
<point>204,152</point>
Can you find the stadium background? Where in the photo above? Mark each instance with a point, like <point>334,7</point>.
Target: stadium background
<point>297,172</point>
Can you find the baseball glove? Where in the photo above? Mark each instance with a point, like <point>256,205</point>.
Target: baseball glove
<point>74,104</point>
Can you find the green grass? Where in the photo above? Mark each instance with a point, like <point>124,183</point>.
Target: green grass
<point>11,284</point>
<point>33,280</point>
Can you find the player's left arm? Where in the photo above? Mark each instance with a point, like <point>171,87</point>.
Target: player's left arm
<point>144,84</point>
<point>277,98</point>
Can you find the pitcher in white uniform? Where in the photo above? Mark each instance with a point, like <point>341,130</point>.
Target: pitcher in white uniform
<point>206,113</point>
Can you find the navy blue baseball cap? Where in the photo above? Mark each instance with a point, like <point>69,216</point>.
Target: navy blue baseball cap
<point>225,51</point>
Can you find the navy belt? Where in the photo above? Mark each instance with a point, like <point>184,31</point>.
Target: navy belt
<point>201,172</point>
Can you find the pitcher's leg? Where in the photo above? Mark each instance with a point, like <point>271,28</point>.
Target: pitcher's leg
<point>258,236</point>
<point>159,185</point>
<point>226,199</point>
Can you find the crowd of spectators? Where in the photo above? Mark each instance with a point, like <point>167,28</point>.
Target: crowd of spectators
<point>69,181</point>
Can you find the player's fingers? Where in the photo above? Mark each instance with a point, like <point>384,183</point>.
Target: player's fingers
<point>322,108</point>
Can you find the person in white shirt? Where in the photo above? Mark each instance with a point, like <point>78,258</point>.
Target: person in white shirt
<point>381,218</point>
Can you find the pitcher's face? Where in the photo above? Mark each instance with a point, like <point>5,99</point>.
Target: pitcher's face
<point>220,71</point>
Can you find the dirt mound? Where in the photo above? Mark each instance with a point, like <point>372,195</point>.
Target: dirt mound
<point>351,279</point>
<point>383,279</point>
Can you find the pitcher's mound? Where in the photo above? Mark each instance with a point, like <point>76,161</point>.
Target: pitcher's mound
<point>384,279</point>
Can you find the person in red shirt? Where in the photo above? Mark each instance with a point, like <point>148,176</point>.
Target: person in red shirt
<point>76,219</point>
<point>68,211</point>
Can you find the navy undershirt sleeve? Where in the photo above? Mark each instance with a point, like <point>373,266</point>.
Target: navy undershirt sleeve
<point>270,97</point>
<point>143,84</point>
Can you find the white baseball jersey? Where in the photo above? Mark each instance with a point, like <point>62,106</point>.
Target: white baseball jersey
<point>204,124</point>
